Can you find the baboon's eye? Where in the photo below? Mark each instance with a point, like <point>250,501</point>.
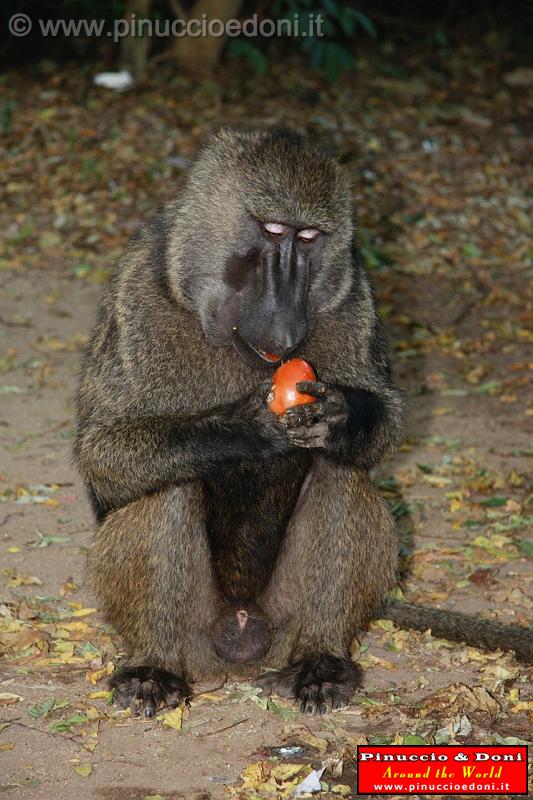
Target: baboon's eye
<point>275,229</point>
<point>308,235</point>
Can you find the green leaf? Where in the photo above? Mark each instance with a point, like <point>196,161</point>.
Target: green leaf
<point>442,736</point>
<point>41,711</point>
<point>509,740</point>
<point>380,740</point>
<point>471,250</point>
<point>400,509</point>
<point>44,540</point>
<point>493,502</point>
<point>284,712</point>
<point>330,7</point>
<point>365,22</point>
<point>489,387</point>
<point>46,707</point>
<point>347,20</point>
<point>337,58</point>
<point>66,725</point>
<point>413,739</point>
<point>240,48</point>
<point>81,270</point>
<point>526,546</point>
<point>6,389</point>
<point>87,649</point>
<point>366,701</point>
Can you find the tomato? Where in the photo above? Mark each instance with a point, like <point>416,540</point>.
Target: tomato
<point>284,393</point>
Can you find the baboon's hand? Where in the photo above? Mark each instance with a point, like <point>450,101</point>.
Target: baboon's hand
<point>317,424</point>
<point>254,407</point>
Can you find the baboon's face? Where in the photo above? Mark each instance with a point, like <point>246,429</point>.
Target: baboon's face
<point>267,308</point>
<point>268,242</point>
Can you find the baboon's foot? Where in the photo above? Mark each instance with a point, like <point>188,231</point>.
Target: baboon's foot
<point>320,684</point>
<point>144,689</point>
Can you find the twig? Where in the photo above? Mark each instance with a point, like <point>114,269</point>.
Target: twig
<point>8,517</point>
<point>227,728</point>
<point>465,311</point>
<point>209,691</point>
<point>48,733</point>
<point>74,740</point>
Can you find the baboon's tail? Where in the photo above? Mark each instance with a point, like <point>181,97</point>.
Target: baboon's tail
<point>459,627</point>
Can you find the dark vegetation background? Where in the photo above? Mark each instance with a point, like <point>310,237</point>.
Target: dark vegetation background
<point>429,107</point>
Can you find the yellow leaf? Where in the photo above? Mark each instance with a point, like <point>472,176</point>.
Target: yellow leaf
<point>95,675</point>
<point>525,705</point>
<point>370,660</point>
<point>384,624</point>
<point>83,612</point>
<point>284,772</point>
<point>16,580</point>
<point>62,647</point>
<point>174,718</point>
<point>13,549</point>
<point>516,479</point>
<point>68,587</point>
<point>77,627</point>
<point>211,697</point>
<point>436,480</point>
<point>10,625</point>
<point>84,770</point>
<point>342,789</point>
<point>98,695</point>
<point>475,375</point>
<point>254,774</point>
<point>456,505</point>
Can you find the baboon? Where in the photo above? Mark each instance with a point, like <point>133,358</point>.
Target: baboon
<point>230,539</point>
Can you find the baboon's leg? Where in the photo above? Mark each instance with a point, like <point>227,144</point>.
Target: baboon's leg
<point>151,569</point>
<point>337,561</point>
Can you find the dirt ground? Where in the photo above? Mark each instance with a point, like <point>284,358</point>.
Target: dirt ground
<point>438,155</point>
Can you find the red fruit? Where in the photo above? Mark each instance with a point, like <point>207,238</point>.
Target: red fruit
<point>284,393</point>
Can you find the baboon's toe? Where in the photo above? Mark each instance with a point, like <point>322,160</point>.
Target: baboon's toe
<point>144,689</point>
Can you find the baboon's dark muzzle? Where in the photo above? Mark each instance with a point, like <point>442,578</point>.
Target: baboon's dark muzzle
<point>283,298</point>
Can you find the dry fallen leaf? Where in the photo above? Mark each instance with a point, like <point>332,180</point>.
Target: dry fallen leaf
<point>84,770</point>
<point>302,734</point>
<point>8,698</point>
<point>174,719</point>
<point>342,789</point>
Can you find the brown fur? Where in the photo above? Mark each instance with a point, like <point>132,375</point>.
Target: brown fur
<point>204,498</point>
<point>206,501</point>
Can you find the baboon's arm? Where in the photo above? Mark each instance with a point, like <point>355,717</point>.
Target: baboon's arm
<point>372,427</point>
<point>123,459</point>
